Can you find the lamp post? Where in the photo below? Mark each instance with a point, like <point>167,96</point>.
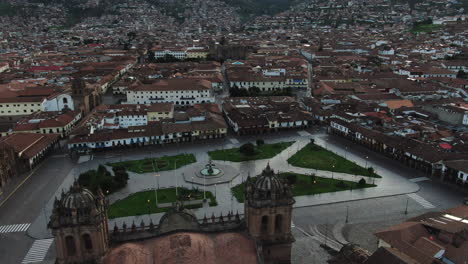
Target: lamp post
<point>204,188</point>
<point>333,168</point>
<point>347,214</point>
<point>406,208</point>
<point>156,182</point>
<point>367,157</point>
<point>149,211</point>
<point>346,151</point>
<point>215,191</point>
<point>175,176</point>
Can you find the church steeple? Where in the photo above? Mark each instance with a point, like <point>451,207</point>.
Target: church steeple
<point>268,214</point>
<point>79,225</point>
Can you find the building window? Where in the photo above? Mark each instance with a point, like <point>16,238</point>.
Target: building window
<point>70,245</point>
<point>88,243</point>
<point>278,224</point>
<point>264,227</point>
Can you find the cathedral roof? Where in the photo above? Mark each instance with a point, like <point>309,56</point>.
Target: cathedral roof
<point>187,248</point>
<point>178,218</point>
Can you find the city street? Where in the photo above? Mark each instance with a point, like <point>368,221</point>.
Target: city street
<point>312,223</point>
<point>27,203</point>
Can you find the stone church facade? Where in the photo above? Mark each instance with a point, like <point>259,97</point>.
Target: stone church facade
<point>261,236</point>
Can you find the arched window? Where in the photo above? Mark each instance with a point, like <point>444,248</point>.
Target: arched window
<point>70,244</point>
<point>88,243</point>
<point>264,227</point>
<point>279,223</point>
<point>65,100</point>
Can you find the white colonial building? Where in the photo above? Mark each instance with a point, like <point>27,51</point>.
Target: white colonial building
<point>58,103</point>
<point>178,53</point>
<point>177,91</point>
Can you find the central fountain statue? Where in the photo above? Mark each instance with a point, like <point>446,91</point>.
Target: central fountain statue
<point>210,169</point>
<point>210,166</point>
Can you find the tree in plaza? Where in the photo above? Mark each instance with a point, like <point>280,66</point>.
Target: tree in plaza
<point>292,178</point>
<point>370,170</point>
<point>260,142</point>
<point>120,176</point>
<point>247,149</point>
<point>362,182</point>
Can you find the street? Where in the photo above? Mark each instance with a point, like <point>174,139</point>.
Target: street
<point>27,203</point>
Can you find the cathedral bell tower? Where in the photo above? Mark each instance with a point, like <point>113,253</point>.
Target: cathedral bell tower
<point>79,225</point>
<point>268,214</point>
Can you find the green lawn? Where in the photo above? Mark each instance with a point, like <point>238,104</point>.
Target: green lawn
<point>156,164</point>
<point>265,151</point>
<point>315,157</point>
<point>425,28</point>
<point>307,185</point>
<point>137,203</point>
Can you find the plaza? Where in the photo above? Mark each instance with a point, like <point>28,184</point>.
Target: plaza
<point>393,187</point>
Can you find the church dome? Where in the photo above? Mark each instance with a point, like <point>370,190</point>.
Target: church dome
<point>78,206</point>
<point>78,198</point>
<point>268,182</point>
<point>268,189</point>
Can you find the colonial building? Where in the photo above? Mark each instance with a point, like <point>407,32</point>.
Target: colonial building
<point>116,126</point>
<point>30,148</point>
<point>48,123</point>
<point>34,99</point>
<point>257,115</point>
<point>78,223</point>
<point>177,91</point>
<point>434,237</point>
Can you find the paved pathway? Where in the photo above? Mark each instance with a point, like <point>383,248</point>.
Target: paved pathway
<point>390,184</point>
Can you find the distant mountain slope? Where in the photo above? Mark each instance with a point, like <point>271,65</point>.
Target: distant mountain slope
<point>76,10</point>
<point>261,7</point>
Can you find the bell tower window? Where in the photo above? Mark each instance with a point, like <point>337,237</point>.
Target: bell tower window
<point>70,244</point>
<point>88,243</point>
<point>278,224</point>
<point>264,227</point>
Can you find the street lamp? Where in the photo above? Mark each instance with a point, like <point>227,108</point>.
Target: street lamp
<point>346,151</point>
<point>333,169</point>
<point>175,176</point>
<point>149,211</point>
<point>406,208</point>
<point>347,213</point>
<point>204,189</point>
<point>367,157</point>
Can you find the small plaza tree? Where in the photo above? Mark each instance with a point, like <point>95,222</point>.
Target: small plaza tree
<point>260,142</point>
<point>247,149</point>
